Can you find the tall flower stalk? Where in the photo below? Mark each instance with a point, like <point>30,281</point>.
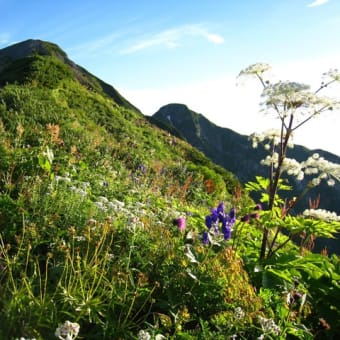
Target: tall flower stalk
<point>294,104</point>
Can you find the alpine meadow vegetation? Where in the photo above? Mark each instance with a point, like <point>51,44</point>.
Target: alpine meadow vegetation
<point>111,228</point>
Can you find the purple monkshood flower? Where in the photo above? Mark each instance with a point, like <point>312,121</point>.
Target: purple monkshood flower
<point>218,217</point>
<point>227,233</point>
<point>205,238</point>
<point>208,221</point>
<point>220,208</point>
<point>232,214</point>
<point>258,206</point>
<point>214,215</point>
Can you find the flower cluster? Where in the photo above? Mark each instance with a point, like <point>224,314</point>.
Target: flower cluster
<point>269,138</point>
<point>321,214</point>
<point>219,218</point>
<point>332,74</point>
<point>67,331</point>
<point>324,169</point>
<point>239,313</point>
<point>145,335</point>
<point>269,326</point>
<point>289,94</point>
<point>255,69</point>
<point>314,165</point>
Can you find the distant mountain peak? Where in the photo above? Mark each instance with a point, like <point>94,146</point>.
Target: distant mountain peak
<point>32,46</point>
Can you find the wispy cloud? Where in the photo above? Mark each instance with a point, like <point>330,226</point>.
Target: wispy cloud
<point>317,3</point>
<point>91,48</point>
<point>174,37</point>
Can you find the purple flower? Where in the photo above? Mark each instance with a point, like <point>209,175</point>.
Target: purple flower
<point>181,223</point>
<point>208,221</point>
<point>220,208</point>
<point>214,215</point>
<point>245,218</point>
<point>205,238</point>
<point>232,214</point>
<point>227,233</point>
<point>255,215</point>
<point>142,168</point>
<point>219,217</point>
<point>258,206</point>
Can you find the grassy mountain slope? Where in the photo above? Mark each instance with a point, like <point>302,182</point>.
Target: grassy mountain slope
<point>84,175</point>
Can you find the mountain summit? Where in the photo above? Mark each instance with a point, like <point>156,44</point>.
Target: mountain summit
<point>19,61</point>
<point>28,48</point>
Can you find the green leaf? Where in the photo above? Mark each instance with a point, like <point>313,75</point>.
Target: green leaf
<point>44,163</point>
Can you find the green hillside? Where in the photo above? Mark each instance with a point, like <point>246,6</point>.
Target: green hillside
<point>104,223</point>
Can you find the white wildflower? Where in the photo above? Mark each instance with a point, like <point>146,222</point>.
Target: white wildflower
<point>160,337</point>
<point>292,167</point>
<point>321,214</point>
<point>271,160</point>
<point>81,192</point>
<point>316,181</point>
<point>85,185</point>
<point>300,176</point>
<point>103,199</point>
<point>316,164</point>
<point>255,69</point>
<point>311,171</point>
<point>333,74</point>
<point>239,313</point>
<point>119,203</point>
<point>111,205</point>
<point>144,335</point>
<point>100,206</point>
<point>62,179</point>
<point>331,182</point>
<point>80,238</point>
<point>67,331</point>
<point>269,326</point>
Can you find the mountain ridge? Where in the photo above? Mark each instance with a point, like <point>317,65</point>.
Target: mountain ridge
<point>230,149</point>
<point>30,47</point>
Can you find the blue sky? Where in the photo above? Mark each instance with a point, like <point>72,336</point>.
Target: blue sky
<point>190,51</point>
